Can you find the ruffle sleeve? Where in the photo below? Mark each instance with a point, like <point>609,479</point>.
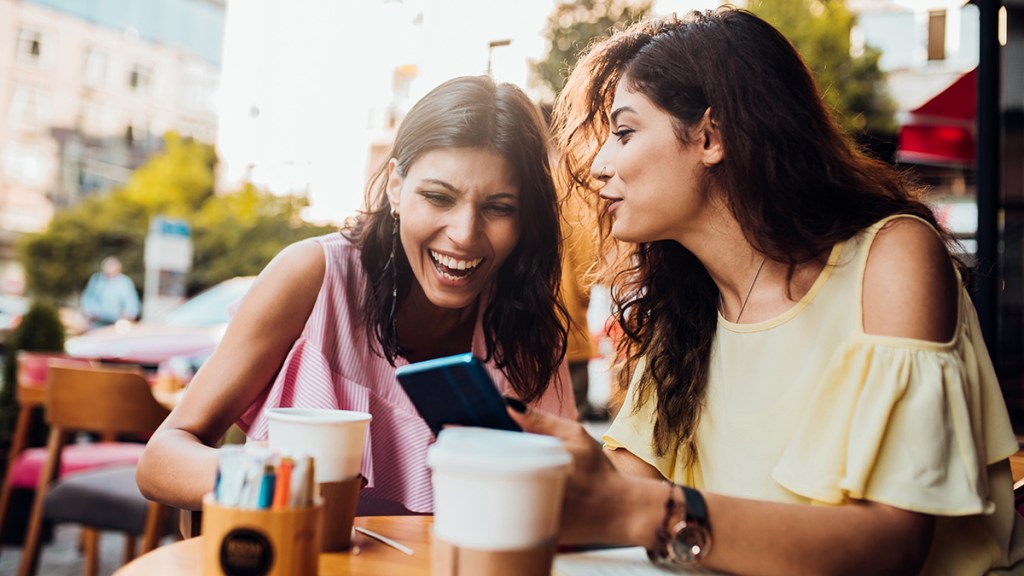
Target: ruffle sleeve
<point>908,423</point>
<point>632,428</point>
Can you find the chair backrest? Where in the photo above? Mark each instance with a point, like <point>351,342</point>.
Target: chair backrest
<point>101,399</point>
<point>31,373</point>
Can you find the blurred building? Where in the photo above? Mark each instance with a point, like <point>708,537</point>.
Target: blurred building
<point>87,90</point>
<point>929,46</point>
<point>931,52</point>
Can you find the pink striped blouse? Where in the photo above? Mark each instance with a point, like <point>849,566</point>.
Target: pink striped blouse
<point>332,365</point>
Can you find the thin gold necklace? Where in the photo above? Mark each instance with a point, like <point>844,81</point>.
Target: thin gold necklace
<point>743,304</point>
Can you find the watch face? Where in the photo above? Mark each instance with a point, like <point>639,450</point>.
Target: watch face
<point>690,544</point>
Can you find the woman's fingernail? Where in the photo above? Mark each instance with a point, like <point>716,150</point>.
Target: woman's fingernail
<point>515,404</point>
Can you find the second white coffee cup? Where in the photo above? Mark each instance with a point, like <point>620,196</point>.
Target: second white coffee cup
<point>497,490</point>
<point>335,438</point>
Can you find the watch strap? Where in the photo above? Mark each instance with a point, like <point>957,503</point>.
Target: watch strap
<point>696,509</point>
<point>682,542</point>
<point>690,539</point>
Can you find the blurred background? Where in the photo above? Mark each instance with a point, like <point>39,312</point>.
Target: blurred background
<point>193,139</point>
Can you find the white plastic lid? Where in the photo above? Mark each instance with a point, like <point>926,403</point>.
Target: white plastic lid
<point>483,450</point>
<point>317,415</point>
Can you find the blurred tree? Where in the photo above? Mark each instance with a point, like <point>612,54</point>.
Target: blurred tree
<point>853,86</point>
<point>233,234</point>
<point>176,182</point>
<point>40,330</point>
<point>59,260</point>
<point>574,25</point>
<point>237,234</point>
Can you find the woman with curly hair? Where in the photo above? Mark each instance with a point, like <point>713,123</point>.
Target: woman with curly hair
<point>808,388</point>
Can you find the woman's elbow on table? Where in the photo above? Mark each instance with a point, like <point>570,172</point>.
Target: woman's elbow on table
<point>176,469</point>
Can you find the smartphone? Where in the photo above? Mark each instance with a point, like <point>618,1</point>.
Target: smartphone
<point>455,390</point>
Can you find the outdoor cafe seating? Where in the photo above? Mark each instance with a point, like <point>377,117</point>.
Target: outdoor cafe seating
<point>108,402</point>
<point>24,464</point>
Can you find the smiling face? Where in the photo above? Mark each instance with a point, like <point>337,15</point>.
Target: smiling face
<point>652,180</point>
<point>459,214</point>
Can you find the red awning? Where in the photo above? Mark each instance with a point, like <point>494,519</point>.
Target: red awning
<point>941,131</point>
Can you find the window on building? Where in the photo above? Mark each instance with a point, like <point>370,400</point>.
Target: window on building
<point>198,92</point>
<point>140,77</point>
<point>30,109</point>
<point>936,35</point>
<point>97,64</point>
<point>27,166</point>
<point>30,48</point>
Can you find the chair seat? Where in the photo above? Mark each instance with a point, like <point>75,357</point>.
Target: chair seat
<point>106,499</point>
<point>74,458</point>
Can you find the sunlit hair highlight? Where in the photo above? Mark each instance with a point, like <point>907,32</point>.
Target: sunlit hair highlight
<point>793,180</point>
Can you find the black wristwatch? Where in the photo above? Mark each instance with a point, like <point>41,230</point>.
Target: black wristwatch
<point>687,541</point>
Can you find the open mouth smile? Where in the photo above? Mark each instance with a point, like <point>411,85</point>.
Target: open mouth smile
<point>452,268</point>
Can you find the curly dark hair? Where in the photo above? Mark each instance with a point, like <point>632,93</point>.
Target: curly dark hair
<point>793,180</point>
<point>524,320</point>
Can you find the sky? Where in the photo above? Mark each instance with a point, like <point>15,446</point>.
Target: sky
<point>305,84</point>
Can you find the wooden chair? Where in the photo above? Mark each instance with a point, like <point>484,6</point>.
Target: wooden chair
<point>107,401</point>
<point>23,463</point>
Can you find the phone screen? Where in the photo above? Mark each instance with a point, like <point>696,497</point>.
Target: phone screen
<point>455,390</point>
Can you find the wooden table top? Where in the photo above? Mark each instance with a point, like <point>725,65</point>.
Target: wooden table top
<point>368,557</point>
<point>1017,467</point>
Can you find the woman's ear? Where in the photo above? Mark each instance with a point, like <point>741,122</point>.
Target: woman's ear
<point>713,151</point>
<point>394,185</point>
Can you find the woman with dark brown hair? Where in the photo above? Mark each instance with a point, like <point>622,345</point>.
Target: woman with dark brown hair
<point>456,251</point>
<point>804,365</point>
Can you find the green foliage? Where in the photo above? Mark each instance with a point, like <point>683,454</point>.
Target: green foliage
<point>820,29</point>
<point>40,330</point>
<point>59,261</point>
<point>574,25</point>
<point>176,182</point>
<point>232,234</point>
<point>853,86</point>
<point>237,234</point>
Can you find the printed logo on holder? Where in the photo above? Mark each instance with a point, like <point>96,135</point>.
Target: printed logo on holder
<point>246,552</point>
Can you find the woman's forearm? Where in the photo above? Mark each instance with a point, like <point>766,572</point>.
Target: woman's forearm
<point>856,538</point>
<point>177,469</point>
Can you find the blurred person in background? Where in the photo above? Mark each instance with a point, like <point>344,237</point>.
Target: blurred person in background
<point>458,250</point>
<point>109,296</point>
<point>808,387</point>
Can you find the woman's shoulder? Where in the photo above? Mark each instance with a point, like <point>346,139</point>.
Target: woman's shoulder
<point>301,262</point>
<point>333,251</point>
<point>910,286</point>
<point>338,245</point>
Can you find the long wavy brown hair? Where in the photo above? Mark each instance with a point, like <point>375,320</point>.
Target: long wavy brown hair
<point>793,180</point>
<point>524,320</point>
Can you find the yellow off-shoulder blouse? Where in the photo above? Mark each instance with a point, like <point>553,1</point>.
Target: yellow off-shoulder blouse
<point>807,408</point>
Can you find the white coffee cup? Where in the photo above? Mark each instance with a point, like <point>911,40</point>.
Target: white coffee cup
<point>497,490</point>
<point>334,438</point>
